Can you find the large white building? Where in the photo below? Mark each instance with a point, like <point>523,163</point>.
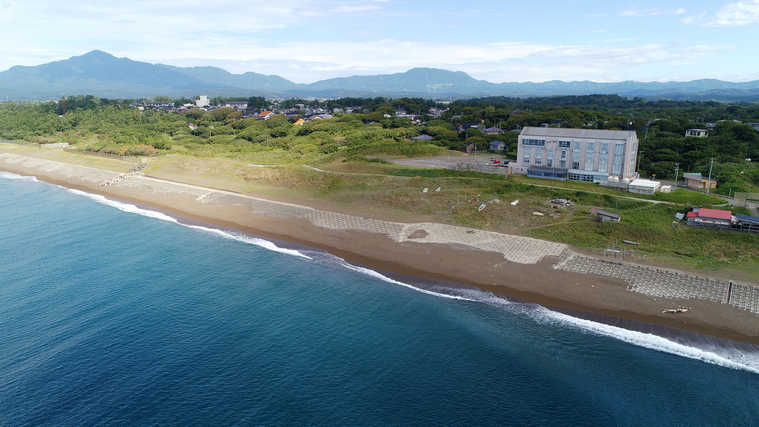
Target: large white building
<point>576,154</point>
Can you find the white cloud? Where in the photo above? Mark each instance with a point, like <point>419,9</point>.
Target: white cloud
<point>737,14</point>
<point>652,12</point>
<point>495,62</point>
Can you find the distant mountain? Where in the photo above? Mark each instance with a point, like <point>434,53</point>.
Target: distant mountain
<point>101,74</point>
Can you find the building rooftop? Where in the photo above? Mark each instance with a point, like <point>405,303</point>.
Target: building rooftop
<point>713,213</point>
<point>645,183</point>
<point>577,133</point>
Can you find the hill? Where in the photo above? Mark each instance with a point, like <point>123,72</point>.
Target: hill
<point>102,74</point>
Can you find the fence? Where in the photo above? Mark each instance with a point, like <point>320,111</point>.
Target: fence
<point>741,199</point>
<point>131,159</point>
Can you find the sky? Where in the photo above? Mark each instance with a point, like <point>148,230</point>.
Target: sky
<point>305,41</point>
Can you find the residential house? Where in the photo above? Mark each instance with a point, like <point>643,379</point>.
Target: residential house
<point>265,115</point>
<point>237,105</point>
<point>699,133</point>
<point>493,131</point>
<point>497,146</point>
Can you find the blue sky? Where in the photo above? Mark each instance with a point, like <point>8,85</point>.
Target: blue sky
<point>305,40</point>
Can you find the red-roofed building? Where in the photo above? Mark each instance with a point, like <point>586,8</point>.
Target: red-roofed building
<point>710,218</point>
<point>265,115</point>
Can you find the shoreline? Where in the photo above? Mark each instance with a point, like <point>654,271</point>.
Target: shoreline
<point>433,251</point>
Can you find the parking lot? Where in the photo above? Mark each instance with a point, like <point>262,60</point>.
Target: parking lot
<point>445,162</point>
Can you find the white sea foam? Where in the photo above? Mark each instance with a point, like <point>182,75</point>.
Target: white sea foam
<point>8,175</point>
<point>730,359</point>
<point>734,360</point>
<point>130,208</point>
<point>376,275</point>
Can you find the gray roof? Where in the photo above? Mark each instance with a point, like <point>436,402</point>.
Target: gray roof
<point>608,214</point>
<point>423,138</point>
<point>577,133</point>
<point>747,218</point>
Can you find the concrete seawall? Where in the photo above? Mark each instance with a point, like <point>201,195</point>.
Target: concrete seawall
<point>664,283</point>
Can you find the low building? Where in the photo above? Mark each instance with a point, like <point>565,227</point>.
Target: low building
<point>698,133</point>
<point>697,182</point>
<point>644,186</point>
<point>710,218</point>
<point>604,216</point>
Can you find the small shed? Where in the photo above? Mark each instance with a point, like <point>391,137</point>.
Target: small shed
<point>604,216</point>
<point>698,182</point>
<point>644,186</point>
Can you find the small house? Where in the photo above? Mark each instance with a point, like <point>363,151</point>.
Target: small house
<point>264,115</point>
<point>698,133</point>
<point>497,146</point>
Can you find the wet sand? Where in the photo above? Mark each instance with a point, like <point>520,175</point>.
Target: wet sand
<point>503,264</point>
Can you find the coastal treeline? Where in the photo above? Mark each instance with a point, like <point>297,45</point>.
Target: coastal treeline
<point>366,126</point>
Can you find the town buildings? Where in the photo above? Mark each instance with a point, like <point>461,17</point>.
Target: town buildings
<point>589,155</point>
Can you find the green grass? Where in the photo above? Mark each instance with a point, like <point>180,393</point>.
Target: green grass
<point>685,196</point>
<point>652,226</point>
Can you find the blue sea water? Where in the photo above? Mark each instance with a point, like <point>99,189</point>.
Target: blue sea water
<point>113,314</point>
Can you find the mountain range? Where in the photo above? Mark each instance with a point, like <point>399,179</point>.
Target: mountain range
<point>102,74</point>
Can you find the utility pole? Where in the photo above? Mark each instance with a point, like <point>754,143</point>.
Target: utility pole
<point>637,169</point>
<point>709,182</point>
<point>677,169</point>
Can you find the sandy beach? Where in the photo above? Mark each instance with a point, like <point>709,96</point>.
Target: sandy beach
<point>547,273</point>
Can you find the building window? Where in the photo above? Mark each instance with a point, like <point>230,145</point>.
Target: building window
<point>576,155</point>
<point>549,159</point>
<point>590,153</point>
<point>563,164</point>
<point>526,156</point>
<point>619,152</point>
<point>535,142</point>
<point>564,144</point>
<point>538,157</point>
<point>634,159</point>
<point>603,158</point>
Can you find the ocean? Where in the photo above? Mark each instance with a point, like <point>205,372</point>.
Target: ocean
<point>114,314</point>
